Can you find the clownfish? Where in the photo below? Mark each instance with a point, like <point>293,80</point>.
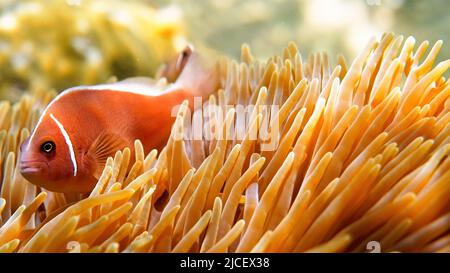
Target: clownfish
<point>84,125</point>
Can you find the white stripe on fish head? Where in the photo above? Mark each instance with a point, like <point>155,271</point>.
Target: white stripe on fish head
<point>68,142</point>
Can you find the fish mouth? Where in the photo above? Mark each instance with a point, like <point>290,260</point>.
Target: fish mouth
<point>29,170</point>
<point>30,167</point>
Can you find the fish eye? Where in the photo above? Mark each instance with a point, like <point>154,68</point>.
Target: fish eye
<point>48,146</point>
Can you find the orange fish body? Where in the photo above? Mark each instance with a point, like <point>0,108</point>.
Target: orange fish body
<point>85,125</point>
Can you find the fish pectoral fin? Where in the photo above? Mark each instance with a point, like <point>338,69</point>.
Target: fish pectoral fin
<point>104,146</point>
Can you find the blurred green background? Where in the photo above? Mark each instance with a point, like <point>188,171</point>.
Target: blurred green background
<point>61,43</point>
<point>337,26</point>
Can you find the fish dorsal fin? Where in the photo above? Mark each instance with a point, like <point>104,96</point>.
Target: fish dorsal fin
<point>172,69</point>
<point>104,146</point>
<point>140,84</point>
<point>136,85</point>
<point>145,82</point>
<point>200,75</point>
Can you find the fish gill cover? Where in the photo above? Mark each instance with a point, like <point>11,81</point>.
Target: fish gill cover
<point>361,155</point>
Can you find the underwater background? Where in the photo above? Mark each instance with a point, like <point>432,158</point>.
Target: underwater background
<point>361,150</point>
<point>57,44</point>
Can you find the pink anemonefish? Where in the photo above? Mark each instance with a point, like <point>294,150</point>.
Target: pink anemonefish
<point>85,125</point>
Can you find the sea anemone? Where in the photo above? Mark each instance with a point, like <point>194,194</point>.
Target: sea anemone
<point>361,159</point>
